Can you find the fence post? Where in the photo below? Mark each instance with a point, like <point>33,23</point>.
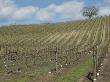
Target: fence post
<point>94,63</point>
<point>6,59</point>
<point>56,59</point>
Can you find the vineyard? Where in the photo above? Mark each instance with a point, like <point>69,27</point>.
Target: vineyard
<point>57,52</point>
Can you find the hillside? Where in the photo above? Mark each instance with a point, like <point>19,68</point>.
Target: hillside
<point>67,48</point>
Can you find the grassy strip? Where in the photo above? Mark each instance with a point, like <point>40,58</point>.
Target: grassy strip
<point>23,79</point>
<point>76,73</point>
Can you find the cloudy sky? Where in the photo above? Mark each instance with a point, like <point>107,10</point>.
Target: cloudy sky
<point>41,11</point>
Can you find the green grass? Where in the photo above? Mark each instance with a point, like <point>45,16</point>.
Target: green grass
<point>77,72</point>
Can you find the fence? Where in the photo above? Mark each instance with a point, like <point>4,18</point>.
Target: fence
<point>18,59</point>
<point>98,61</point>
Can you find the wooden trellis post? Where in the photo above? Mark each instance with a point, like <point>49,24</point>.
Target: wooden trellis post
<point>94,63</point>
<point>6,59</point>
<point>56,59</point>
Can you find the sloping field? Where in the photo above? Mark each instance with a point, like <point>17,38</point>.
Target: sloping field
<point>60,52</point>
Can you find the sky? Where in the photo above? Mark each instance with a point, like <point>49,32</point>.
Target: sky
<point>47,11</point>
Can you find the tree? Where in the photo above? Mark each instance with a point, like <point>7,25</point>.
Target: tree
<point>90,11</point>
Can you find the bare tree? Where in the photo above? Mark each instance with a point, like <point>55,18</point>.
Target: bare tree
<point>90,11</point>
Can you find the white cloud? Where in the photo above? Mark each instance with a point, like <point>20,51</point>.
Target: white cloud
<point>104,11</point>
<point>24,13</point>
<point>8,10</point>
<point>67,10</point>
<point>71,9</point>
<point>44,15</point>
<point>6,3</point>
